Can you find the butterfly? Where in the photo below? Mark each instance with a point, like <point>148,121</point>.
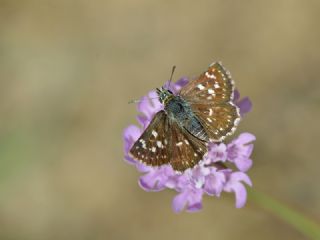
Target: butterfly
<point>202,112</point>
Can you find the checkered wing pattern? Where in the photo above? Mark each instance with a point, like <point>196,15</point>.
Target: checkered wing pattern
<point>153,145</point>
<point>164,141</point>
<point>187,150</point>
<point>211,99</point>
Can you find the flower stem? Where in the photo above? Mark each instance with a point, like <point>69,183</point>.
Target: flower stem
<point>297,220</point>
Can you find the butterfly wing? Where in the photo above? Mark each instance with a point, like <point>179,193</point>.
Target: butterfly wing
<point>211,99</point>
<point>152,146</point>
<point>164,141</point>
<point>219,120</point>
<point>187,150</point>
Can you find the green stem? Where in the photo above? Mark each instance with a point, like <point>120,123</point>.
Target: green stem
<point>300,222</point>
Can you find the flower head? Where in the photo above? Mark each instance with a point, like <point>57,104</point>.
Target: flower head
<point>210,177</point>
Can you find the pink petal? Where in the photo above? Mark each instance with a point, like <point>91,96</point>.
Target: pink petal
<point>179,202</point>
<point>245,105</point>
<point>240,176</point>
<point>241,195</point>
<point>243,164</point>
<point>245,138</point>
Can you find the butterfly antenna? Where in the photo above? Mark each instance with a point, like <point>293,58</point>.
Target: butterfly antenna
<point>140,100</point>
<point>134,101</point>
<point>173,68</point>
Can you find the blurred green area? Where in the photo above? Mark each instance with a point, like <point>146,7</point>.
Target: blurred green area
<point>67,71</point>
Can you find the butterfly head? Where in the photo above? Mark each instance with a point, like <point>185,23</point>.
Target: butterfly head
<point>165,95</point>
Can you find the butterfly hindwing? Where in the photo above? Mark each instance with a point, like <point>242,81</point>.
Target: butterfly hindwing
<point>152,146</point>
<point>219,121</point>
<point>211,99</point>
<point>187,150</point>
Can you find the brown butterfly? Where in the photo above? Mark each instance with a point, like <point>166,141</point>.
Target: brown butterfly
<point>202,112</point>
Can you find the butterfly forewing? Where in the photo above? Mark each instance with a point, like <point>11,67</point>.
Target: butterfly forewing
<point>152,146</point>
<point>187,150</point>
<point>214,85</point>
<point>210,97</point>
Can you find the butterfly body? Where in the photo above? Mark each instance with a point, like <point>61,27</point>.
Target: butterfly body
<point>200,113</point>
<point>179,110</point>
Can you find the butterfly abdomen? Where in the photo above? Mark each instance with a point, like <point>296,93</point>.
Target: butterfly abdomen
<point>180,111</point>
<point>196,129</point>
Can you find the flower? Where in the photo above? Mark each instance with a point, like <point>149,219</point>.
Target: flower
<point>244,104</point>
<point>235,185</point>
<point>216,153</point>
<point>211,176</point>
<point>239,151</point>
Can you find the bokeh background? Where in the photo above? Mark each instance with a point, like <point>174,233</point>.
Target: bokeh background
<point>67,71</point>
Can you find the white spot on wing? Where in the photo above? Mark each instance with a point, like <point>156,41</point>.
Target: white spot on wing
<point>200,86</point>
<point>159,144</point>
<point>186,141</point>
<point>208,75</point>
<point>210,112</point>
<point>143,144</point>
<point>154,133</point>
<point>179,144</point>
<point>209,120</point>
<point>210,91</point>
<point>153,149</point>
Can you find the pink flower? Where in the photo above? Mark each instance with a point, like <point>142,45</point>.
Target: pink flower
<point>239,151</point>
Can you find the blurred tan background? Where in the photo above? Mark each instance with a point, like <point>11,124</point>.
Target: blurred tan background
<point>67,71</point>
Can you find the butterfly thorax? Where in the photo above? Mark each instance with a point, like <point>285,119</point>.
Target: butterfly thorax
<point>179,110</point>
<point>164,95</point>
